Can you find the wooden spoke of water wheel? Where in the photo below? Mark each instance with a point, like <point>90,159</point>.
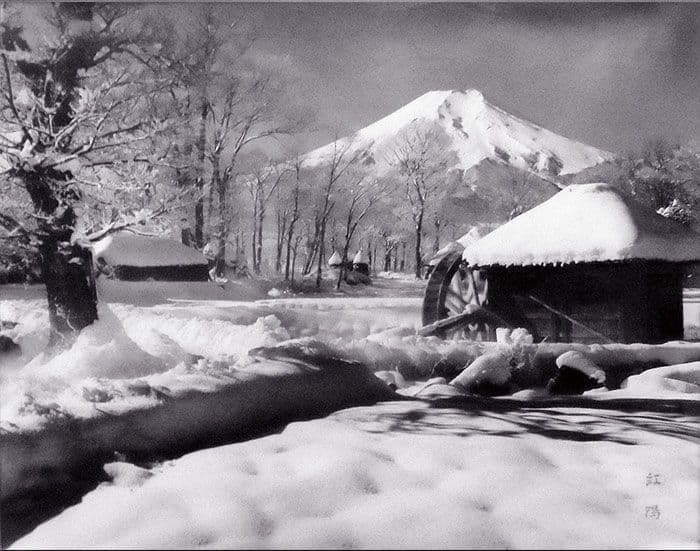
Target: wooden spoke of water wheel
<point>454,304</point>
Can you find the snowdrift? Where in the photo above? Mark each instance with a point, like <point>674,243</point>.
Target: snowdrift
<point>408,475</point>
<point>265,396</point>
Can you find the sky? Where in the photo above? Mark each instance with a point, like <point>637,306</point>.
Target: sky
<point>611,75</point>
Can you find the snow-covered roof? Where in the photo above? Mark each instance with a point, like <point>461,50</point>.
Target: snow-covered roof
<point>585,223</point>
<point>335,259</point>
<point>476,233</point>
<point>360,258</point>
<point>129,249</point>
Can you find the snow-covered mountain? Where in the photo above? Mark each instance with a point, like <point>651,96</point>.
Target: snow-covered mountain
<point>476,130</point>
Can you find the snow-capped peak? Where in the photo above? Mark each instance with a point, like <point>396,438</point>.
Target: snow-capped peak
<point>476,130</point>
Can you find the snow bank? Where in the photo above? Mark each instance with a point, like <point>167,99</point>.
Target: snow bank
<point>102,350</point>
<point>31,331</point>
<point>170,413</point>
<point>200,342</point>
<point>130,343</point>
<point>671,381</point>
<point>404,475</point>
<point>159,292</point>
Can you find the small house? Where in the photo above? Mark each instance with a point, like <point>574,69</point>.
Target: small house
<point>360,263</point>
<point>335,261</point>
<point>588,265</point>
<point>133,257</point>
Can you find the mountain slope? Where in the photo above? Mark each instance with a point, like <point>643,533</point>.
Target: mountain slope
<point>475,130</point>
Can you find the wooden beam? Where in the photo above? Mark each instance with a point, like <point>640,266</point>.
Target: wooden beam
<point>471,314</point>
<point>448,323</point>
<point>572,320</point>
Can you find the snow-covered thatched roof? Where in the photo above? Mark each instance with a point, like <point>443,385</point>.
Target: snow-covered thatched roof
<point>335,259</point>
<point>360,258</point>
<point>585,223</point>
<point>129,249</point>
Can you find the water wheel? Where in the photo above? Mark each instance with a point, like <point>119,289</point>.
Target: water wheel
<point>459,294</point>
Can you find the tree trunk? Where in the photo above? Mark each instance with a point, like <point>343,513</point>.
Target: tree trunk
<point>66,268</point>
<point>436,242</point>
<point>290,234</point>
<point>281,231</point>
<point>343,271</point>
<point>313,248</point>
<point>261,220</point>
<point>389,246</point>
<point>70,289</point>
<point>201,145</point>
<point>419,236</point>
<point>220,184</point>
<point>254,246</point>
<point>321,252</point>
<point>294,255</point>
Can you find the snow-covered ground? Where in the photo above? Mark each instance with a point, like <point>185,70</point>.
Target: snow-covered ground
<point>154,376</point>
<point>407,475</point>
<point>183,344</point>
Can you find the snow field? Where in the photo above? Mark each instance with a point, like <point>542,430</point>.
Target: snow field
<point>404,475</point>
<point>160,381</point>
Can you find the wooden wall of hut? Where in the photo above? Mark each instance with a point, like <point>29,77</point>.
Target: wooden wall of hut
<point>186,272</point>
<point>627,301</point>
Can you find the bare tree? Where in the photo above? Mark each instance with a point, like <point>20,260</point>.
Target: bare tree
<point>519,193</point>
<point>341,159</point>
<point>666,177</point>
<point>71,108</point>
<point>359,197</point>
<point>262,184</point>
<point>421,161</point>
<point>292,215</point>
<point>236,95</point>
<point>201,64</point>
<point>390,246</point>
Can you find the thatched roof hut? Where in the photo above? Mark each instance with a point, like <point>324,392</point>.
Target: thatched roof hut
<point>589,264</point>
<point>335,261</point>
<point>133,257</point>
